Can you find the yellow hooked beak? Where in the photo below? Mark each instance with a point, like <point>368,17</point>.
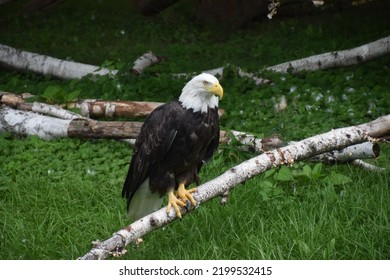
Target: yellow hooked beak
<point>217,90</point>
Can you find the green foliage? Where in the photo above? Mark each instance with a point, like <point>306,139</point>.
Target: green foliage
<point>55,94</point>
<point>57,196</point>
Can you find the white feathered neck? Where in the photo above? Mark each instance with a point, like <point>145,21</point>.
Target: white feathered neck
<point>196,95</point>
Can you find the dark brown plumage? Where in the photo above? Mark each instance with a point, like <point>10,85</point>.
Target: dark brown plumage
<point>173,143</point>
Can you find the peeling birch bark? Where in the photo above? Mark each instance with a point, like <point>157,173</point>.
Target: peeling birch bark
<point>359,151</point>
<point>46,65</point>
<point>89,108</point>
<point>336,59</point>
<point>250,142</point>
<point>113,109</point>
<point>91,129</point>
<point>334,140</point>
<point>18,102</point>
<point>367,166</point>
<point>47,128</point>
<point>29,123</point>
<point>146,60</point>
<point>82,127</point>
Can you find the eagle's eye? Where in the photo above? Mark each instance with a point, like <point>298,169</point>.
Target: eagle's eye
<point>206,83</point>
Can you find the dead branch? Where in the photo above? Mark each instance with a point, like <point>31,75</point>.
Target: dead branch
<point>29,123</point>
<point>18,102</point>
<point>22,60</point>
<point>250,142</point>
<point>89,108</point>
<point>334,140</point>
<point>359,151</point>
<point>46,65</point>
<point>146,60</point>
<point>114,109</point>
<point>367,166</point>
<point>336,59</point>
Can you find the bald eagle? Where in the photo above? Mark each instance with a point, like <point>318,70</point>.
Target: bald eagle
<point>173,143</point>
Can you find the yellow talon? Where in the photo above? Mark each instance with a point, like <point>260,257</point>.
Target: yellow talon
<point>174,202</point>
<point>184,195</point>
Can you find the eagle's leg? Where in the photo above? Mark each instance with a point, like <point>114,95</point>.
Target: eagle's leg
<point>174,202</point>
<point>184,195</point>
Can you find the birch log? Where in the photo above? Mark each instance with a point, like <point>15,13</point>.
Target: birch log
<point>47,128</point>
<point>333,140</point>
<point>41,64</point>
<point>113,109</point>
<point>146,60</point>
<point>359,151</point>
<point>46,65</point>
<point>18,102</point>
<point>251,142</point>
<point>337,58</point>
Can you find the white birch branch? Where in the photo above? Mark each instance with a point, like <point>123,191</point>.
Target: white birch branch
<point>29,123</point>
<point>47,128</point>
<point>110,109</point>
<point>46,65</point>
<point>333,140</point>
<point>63,69</point>
<point>251,142</point>
<point>54,111</point>
<point>146,60</point>
<point>337,58</point>
<point>359,151</point>
<point>367,166</point>
<point>18,102</point>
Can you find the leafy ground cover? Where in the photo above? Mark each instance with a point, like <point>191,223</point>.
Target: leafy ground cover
<point>58,196</point>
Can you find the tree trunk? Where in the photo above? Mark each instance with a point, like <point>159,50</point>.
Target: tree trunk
<point>333,140</point>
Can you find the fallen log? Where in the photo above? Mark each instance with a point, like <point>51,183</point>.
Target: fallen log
<point>334,140</point>
<point>19,103</point>
<point>29,123</point>
<point>50,121</point>
<point>336,59</point>
<point>116,109</point>
<point>359,151</point>
<point>47,65</point>
<point>41,64</point>
<point>144,61</point>
<point>65,124</point>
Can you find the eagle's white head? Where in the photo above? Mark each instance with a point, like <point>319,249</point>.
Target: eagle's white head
<point>201,93</point>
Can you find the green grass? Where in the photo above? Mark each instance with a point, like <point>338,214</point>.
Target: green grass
<point>58,196</point>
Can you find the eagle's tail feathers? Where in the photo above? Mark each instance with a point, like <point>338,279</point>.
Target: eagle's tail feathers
<point>143,202</point>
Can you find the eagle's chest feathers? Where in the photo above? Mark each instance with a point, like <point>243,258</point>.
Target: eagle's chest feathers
<point>199,128</point>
